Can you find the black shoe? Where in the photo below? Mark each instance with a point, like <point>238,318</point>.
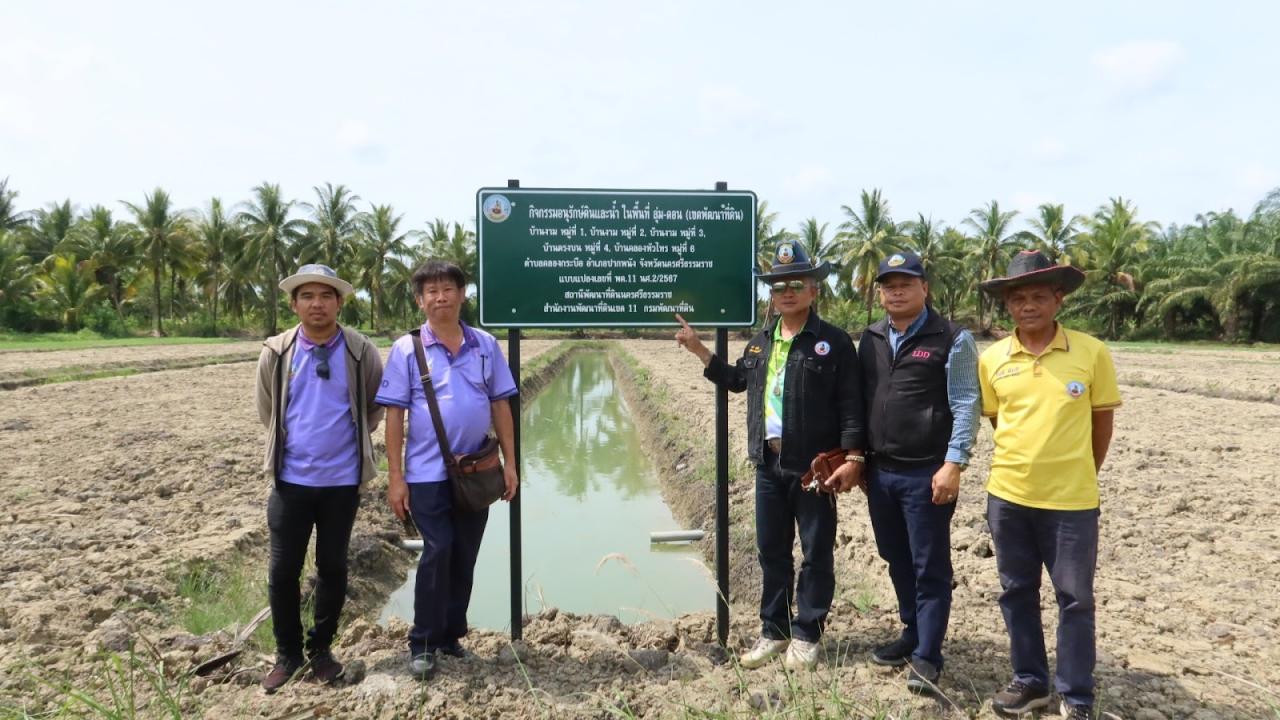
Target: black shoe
<point>325,668</point>
<point>923,677</point>
<point>285,668</point>
<point>894,654</point>
<point>1019,698</point>
<point>422,665</point>
<point>1076,712</point>
<point>453,649</point>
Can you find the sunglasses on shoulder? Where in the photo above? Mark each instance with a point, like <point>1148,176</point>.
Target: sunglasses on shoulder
<point>783,285</point>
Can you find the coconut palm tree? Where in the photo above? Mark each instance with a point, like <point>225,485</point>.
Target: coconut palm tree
<point>453,242</point>
<point>381,246</point>
<point>160,229</point>
<point>67,288</point>
<point>992,245</point>
<point>950,283</point>
<point>10,218</point>
<point>866,236</point>
<point>1114,243</point>
<point>273,237</point>
<point>17,276</point>
<point>216,232</point>
<point>48,228</point>
<point>111,248</point>
<point>332,228</point>
<point>1054,234</point>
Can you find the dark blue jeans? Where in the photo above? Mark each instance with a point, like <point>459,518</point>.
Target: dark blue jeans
<point>781,507</point>
<point>914,536</point>
<point>1066,543</point>
<point>292,510</point>
<point>446,569</point>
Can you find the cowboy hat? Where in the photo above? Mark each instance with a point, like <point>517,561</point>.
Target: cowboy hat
<point>316,274</point>
<point>791,260</point>
<point>1032,267</point>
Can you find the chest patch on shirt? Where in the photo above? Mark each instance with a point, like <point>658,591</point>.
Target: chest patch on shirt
<point>822,348</point>
<point>1075,388</point>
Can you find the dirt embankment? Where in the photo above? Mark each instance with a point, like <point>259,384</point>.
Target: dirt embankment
<point>107,485</point>
<point>24,368</point>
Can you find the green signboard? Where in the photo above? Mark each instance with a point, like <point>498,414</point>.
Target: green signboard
<point>615,258</point>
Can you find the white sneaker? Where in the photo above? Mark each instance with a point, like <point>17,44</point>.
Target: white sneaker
<point>802,655</point>
<point>762,652</point>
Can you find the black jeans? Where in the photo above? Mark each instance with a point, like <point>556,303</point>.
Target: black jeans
<point>1064,542</point>
<point>292,510</point>
<point>781,507</point>
<point>446,568</point>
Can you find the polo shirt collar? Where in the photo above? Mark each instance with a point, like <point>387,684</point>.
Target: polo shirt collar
<point>469,339</point>
<point>306,344</point>
<point>1059,341</point>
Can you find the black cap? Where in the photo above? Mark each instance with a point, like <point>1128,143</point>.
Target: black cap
<point>905,262</point>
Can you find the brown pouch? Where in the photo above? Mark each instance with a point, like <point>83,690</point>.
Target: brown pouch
<point>821,469</point>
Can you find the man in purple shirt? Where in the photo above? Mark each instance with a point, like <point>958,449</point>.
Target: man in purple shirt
<point>315,396</point>
<point>472,385</point>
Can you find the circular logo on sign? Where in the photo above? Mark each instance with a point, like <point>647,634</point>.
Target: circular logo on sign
<point>497,208</point>
<point>822,348</point>
<point>1075,388</point>
<point>896,260</point>
<point>786,253</point>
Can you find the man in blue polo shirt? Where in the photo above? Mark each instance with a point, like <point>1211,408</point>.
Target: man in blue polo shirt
<point>315,395</point>
<point>472,385</point>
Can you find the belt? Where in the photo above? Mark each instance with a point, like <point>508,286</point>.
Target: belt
<point>774,445</point>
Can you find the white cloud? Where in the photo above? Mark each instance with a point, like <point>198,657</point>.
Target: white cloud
<point>1139,67</point>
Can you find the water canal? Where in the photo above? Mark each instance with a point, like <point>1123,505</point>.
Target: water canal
<point>590,500</point>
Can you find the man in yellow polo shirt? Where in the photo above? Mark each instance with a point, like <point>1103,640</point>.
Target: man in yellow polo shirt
<point>1050,393</point>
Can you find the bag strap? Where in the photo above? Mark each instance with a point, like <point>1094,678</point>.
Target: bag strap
<point>424,374</point>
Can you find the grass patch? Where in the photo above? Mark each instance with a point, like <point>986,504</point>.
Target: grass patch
<point>79,341</point>
<point>124,686</point>
<point>219,596</point>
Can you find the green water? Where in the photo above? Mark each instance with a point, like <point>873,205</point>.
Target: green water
<point>590,499</point>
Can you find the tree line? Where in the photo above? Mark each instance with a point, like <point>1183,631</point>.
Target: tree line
<point>212,269</point>
<point>1217,277</point>
<point>150,264</point>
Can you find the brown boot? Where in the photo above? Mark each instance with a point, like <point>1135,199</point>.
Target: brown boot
<point>325,668</point>
<point>286,667</point>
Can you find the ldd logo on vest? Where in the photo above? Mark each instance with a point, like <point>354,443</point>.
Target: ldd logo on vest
<point>922,354</point>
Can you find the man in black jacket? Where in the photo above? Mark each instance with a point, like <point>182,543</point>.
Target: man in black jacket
<point>921,375</point>
<point>804,397</point>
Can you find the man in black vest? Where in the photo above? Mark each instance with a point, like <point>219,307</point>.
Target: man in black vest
<point>921,379</point>
<point>804,397</point>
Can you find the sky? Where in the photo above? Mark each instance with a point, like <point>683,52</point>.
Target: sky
<point>944,106</point>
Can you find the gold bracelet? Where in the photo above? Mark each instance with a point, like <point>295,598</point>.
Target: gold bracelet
<point>854,458</point>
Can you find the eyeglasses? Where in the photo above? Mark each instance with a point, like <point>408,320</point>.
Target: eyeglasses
<point>320,354</point>
<point>783,285</point>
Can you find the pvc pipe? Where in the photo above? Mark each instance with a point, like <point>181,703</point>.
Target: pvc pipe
<point>665,536</point>
<point>412,544</point>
